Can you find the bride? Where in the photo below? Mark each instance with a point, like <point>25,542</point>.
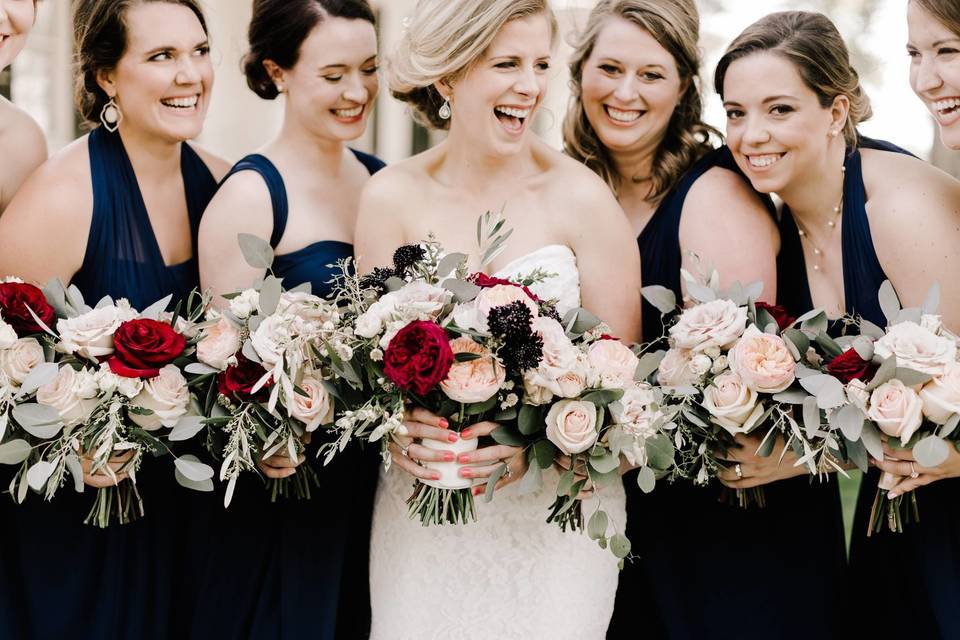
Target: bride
<point>479,69</point>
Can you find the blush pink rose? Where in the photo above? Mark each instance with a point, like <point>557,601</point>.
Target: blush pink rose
<point>219,344</point>
<point>941,396</point>
<point>614,362</point>
<point>763,361</point>
<point>710,325</point>
<point>896,409</point>
<point>731,403</point>
<point>572,425</point>
<point>476,380</point>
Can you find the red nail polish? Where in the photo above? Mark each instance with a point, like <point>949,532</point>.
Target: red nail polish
<point>448,456</point>
<point>477,490</point>
<point>452,437</point>
<point>465,433</point>
<point>435,476</point>
<point>465,473</point>
<point>463,459</point>
<point>443,423</point>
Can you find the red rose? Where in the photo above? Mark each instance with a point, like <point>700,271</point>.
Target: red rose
<point>15,297</point>
<point>419,357</point>
<point>143,347</point>
<point>238,380</point>
<point>607,336</point>
<point>778,313</point>
<point>484,281</point>
<point>850,366</point>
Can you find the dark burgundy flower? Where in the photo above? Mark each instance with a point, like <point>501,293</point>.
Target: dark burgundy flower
<point>238,380</point>
<point>484,281</point>
<point>143,346</point>
<point>15,298</point>
<point>777,312</point>
<point>419,357</point>
<point>850,366</point>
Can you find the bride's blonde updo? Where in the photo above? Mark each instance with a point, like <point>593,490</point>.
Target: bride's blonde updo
<point>675,25</point>
<point>443,39</point>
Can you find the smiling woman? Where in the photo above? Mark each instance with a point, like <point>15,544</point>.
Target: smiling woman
<point>934,49</point>
<point>131,194</point>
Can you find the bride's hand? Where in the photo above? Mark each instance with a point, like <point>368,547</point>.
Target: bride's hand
<point>745,469</point>
<point>562,464</point>
<point>496,455</point>
<point>423,425</point>
<point>100,479</point>
<point>279,465</point>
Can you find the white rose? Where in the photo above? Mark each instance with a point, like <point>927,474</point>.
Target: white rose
<point>165,394</point>
<point>700,365</point>
<point>90,335</point>
<point>675,369</point>
<point>271,338</point>
<point>732,403</point>
<point>219,344</point>
<point>563,368</point>
<point>633,411</point>
<point>941,396</point>
<point>719,365</point>
<point>896,409</point>
<point>85,384</point>
<point>8,337</point>
<point>414,301</point>
<point>467,316</point>
<point>710,325</point>
<point>315,408</point>
<point>572,425</point>
<point>109,382</point>
<point>20,359</point>
<point>62,394</point>
<point>614,362</point>
<point>857,394</point>
<point>917,348</point>
<point>534,393</point>
<point>243,305</point>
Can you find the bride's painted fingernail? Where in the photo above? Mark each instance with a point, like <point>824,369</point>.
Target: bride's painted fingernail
<point>452,437</point>
<point>477,490</point>
<point>448,456</point>
<point>443,423</point>
<point>465,473</point>
<point>465,433</point>
<point>464,458</point>
<point>435,476</point>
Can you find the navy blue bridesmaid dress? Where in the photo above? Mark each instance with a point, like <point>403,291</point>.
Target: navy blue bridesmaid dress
<point>293,569</point>
<point>62,578</point>
<point>708,569</point>
<point>908,584</point>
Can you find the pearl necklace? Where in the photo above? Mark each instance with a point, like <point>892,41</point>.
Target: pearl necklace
<point>831,223</point>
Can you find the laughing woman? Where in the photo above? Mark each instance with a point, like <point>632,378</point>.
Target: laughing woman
<point>125,202</point>
<point>21,142</point>
<point>928,552</point>
<point>856,212</point>
<point>301,192</point>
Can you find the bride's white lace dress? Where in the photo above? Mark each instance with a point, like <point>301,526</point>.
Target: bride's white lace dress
<point>508,575</point>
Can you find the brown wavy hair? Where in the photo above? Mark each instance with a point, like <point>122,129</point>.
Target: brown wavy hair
<point>100,41</point>
<point>814,45</point>
<point>945,11</point>
<point>675,24</point>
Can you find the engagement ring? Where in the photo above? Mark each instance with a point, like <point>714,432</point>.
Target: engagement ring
<point>737,470</point>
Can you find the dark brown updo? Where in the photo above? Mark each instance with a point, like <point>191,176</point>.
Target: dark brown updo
<point>278,29</point>
<point>100,41</point>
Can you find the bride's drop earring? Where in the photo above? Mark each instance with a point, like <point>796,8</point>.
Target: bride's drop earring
<point>111,116</point>
<point>445,112</point>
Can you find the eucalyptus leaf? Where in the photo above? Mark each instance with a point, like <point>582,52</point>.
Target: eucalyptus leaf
<point>579,321</point>
<point>270,294</point>
<point>911,377</point>
<point>931,451</point>
<point>754,290</point>
<point>39,420</point>
<point>864,347</point>
<point>191,467</point>
<point>530,420</point>
<point>393,283</point>
<point>663,299</point>
<point>250,353</point>
<point>949,426</point>
<point>42,374</point>
<point>76,471</point>
<point>544,452</point>
<point>154,310</point>
<point>870,330</point>
<point>256,251</point>
<point>198,368</point>
<point>793,395</point>
<point>205,486</point>
<point>699,292</point>
<point>888,369</point>
<point>602,397</point>
<point>828,344</point>
<point>14,452</point>
<point>620,545</point>
<point>659,451</point>
<point>870,437</point>
<point>889,302</point>
<point>605,463</point>
<point>811,417</point>
<point>565,484</point>
<point>816,323</point>
<point>850,420</point>
<point>647,365</point>
<point>798,338</point>
<point>38,474</point>
<point>646,479</point>
<point>449,263</point>
<point>186,428</point>
<point>597,525</point>
<point>462,290</point>
<point>493,480</point>
<point>507,436</point>
<point>857,454</point>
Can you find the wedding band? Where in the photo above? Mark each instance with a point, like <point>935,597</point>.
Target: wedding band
<point>403,451</point>
<point>913,471</point>
<point>737,470</point>
<point>508,473</point>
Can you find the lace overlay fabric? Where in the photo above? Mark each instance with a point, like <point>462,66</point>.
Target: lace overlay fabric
<point>508,575</point>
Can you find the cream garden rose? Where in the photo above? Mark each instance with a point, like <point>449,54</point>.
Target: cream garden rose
<point>20,359</point>
<point>731,403</point>
<point>166,395</point>
<point>243,305</point>
<point>70,394</point>
<point>917,348</point>
<point>415,301</point>
<point>941,396</point>
<point>563,370</point>
<point>896,409</point>
<point>90,335</point>
<point>614,362</point>
<point>476,380</point>
<point>572,425</point>
<point>315,408</point>
<point>219,344</point>
<point>762,361</point>
<point>709,325</point>
<point>676,369</point>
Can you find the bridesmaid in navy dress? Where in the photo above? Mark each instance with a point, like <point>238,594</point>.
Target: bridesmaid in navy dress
<point>304,568</point>
<point>639,115</point>
<point>22,144</point>
<point>856,212</point>
<point>115,213</point>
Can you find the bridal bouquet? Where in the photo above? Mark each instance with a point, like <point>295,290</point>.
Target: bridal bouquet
<point>426,333</point>
<point>116,392</point>
<point>735,366</point>
<point>902,382</point>
<point>263,363</point>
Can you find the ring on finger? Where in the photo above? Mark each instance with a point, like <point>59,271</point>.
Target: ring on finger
<point>913,471</point>
<point>737,469</point>
<point>508,473</point>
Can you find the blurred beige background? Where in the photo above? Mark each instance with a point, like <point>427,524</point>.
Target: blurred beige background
<point>239,122</point>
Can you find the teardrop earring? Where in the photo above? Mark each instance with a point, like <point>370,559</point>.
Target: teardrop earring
<point>111,116</point>
<point>445,112</point>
